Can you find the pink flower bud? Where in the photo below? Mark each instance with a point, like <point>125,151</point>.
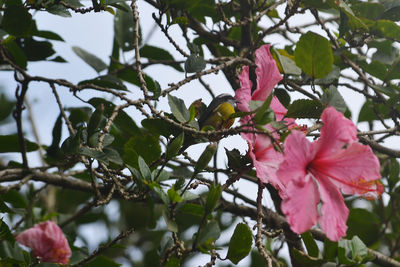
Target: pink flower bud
<point>47,242</point>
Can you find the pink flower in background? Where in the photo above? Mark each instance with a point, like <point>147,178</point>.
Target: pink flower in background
<point>268,76</point>
<point>319,171</point>
<point>47,242</point>
<point>265,158</point>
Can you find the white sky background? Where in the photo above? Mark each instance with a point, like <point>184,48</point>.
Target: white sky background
<point>94,33</point>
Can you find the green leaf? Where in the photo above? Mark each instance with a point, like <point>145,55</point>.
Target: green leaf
<point>236,161</point>
<point>160,126</point>
<point>6,107</point>
<point>8,262</point>
<point>205,157</point>
<point>17,20</point>
<point>387,90</point>
<point>113,156</point>
<point>192,209</point>
<point>131,76</point>
<point>59,10</point>
<point>209,233</point>
<point>157,89</point>
<point>165,243</point>
<point>5,232</point>
<point>96,154</point>
<point>392,13</point>
<point>48,35</point>
<point>213,197</point>
<point>174,196</point>
<point>393,170</point>
<point>240,243</point>
<point>197,8</point>
<point>71,144</point>
<point>375,68</point>
<point>74,3</point>
<point>95,119</point>
<point>394,71</point>
<point>102,261</point>
<point>156,53</point>
<point>147,146</point>
<point>387,28</point>
<point>330,250</point>
<point>171,225</point>
<point>15,198</point>
<point>10,143</point>
<point>54,149</point>
<point>180,20</point>
<point>17,53</point>
<point>352,251</point>
<point>317,4</point>
<point>194,63</point>
<point>144,169</point>
<point>367,111</point>
<point>370,11</point>
<point>262,117</point>
<point>174,146</point>
<point>283,96</point>
<point>353,21</point>
<point>173,262</point>
<point>178,109</point>
<point>364,224</point>
<point>123,121</point>
<point>331,78</point>
<point>96,63</point>
<point>163,196</point>
<point>287,64</point>
<point>311,245</point>
<point>123,28</point>
<point>313,54</point>
<point>94,139</point>
<point>163,176</point>
<point>36,50</point>
<point>305,108</point>
<point>58,59</point>
<point>333,98</point>
<point>305,260</point>
<point>4,208</point>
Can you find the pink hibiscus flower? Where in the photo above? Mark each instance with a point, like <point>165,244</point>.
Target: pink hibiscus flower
<point>47,242</point>
<point>265,158</point>
<point>320,171</point>
<point>268,76</point>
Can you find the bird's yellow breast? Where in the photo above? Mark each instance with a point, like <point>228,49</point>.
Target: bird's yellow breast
<point>220,118</point>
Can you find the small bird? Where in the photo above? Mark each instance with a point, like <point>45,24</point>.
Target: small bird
<point>218,113</point>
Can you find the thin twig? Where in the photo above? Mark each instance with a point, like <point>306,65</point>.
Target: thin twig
<point>259,242</point>
<point>65,117</point>
<point>100,249</point>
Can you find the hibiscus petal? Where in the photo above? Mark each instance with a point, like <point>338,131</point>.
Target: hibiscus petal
<point>300,204</point>
<point>267,72</point>
<point>280,111</point>
<point>336,132</point>
<point>32,238</point>
<point>243,94</point>
<point>351,168</point>
<point>278,108</point>
<point>334,212</point>
<point>266,160</point>
<point>47,242</point>
<point>298,154</point>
